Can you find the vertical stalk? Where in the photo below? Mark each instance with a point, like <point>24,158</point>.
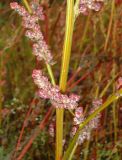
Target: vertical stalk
<point>85,32</point>
<point>50,72</point>
<point>1,65</point>
<point>64,74</point>
<point>87,150</point>
<point>27,6</point>
<point>114,108</point>
<point>110,25</point>
<point>73,151</point>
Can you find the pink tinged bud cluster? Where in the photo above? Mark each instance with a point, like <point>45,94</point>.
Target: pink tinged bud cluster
<point>48,91</point>
<point>21,10</point>
<point>52,129</point>
<point>119,83</point>
<point>86,5</point>
<point>30,22</point>
<point>96,104</point>
<point>37,9</point>
<point>79,118</point>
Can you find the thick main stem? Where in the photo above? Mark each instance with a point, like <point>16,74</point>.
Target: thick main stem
<point>64,75</point>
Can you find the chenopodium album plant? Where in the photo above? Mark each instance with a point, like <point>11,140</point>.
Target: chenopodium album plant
<point>82,125</point>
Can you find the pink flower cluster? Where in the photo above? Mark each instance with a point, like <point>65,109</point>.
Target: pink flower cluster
<point>30,22</point>
<point>86,5</point>
<point>119,83</point>
<point>52,129</point>
<point>79,118</point>
<point>96,104</point>
<point>48,91</point>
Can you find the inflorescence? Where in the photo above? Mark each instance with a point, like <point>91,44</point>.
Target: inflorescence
<point>33,32</point>
<point>86,5</point>
<point>119,83</point>
<point>48,91</point>
<point>79,118</point>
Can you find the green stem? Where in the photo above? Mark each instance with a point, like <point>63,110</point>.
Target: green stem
<point>85,32</point>
<point>110,24</point>
<point>50,73</point>
<point>111,99</point>
<point>76,9</point>
<point>114,107</point>
<point>107,86</point>
<point>67,44</point>
<point>73,151</point>
<point>86,150</point>
<point>64,75</point>
<point>1,66</point>
<point>113,75</point>
<point>27,6</point>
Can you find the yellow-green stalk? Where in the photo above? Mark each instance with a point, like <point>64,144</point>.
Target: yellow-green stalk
<point>64,74</point>
<point>110,24</point>
<point>27,6</point>
<point>114,70</point>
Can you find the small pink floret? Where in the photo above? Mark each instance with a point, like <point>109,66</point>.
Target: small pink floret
<point>14,5</point>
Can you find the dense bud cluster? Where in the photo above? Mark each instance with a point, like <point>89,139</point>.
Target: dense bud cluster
<point>33,32</point>
<point>86,5</point>
<point>119,83</point>
<point>79,118</point>
<point>48,91</point>
<point>52,129</point>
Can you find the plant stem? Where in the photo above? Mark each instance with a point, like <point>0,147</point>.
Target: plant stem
<point>107,86</point>
<point>110,24</point>
<point>1,66</point>
<point>73,151</point>
<point>67,44</point>
<point>27,6</point>
<point>50,73</point>
<point>64,74</point>
<point>113,75</point>
<point>111,99</point>
<point>82,40</point>
<point>76,9</point>
<point>86,150</point>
